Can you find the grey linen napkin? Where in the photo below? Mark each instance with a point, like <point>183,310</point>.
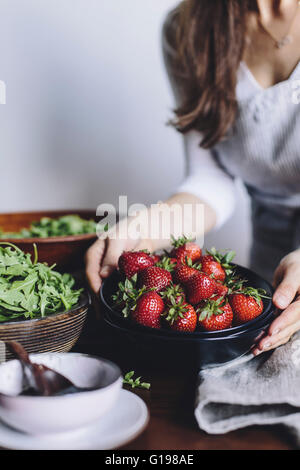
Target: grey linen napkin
<point>252,391</point>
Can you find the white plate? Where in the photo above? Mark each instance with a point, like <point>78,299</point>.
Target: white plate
<point>122,424</point>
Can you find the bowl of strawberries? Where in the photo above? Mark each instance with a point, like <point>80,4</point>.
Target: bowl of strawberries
<point>187,303</point>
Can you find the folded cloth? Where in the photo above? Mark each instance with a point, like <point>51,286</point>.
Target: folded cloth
<point>252,391</point>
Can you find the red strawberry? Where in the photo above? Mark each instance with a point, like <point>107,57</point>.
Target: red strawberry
<point>200,287</point>
<point>211,267</point>
<point>131,262</point>
<point>247,304</point>
<point>173,294</point>
<point>217,264</point>
<point>154,278</point>
<point>174,261</point>
<point>182,317</point>
<point>185,249</point>
<point>221,289</point>
<point>216,314</point>
<point>156,258</point>
<point>183,272</point>
<point>148,310</point>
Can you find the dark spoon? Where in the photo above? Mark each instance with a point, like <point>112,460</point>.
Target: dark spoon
<point>42,380</point>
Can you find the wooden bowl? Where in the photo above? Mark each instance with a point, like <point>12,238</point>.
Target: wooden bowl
<point>66,252</point>
<point>54,333</point>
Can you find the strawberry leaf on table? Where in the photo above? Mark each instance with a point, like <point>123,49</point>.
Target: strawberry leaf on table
<point>135,383</point>
<point>30,289</point>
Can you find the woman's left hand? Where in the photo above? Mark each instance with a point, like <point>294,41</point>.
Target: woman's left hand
<point>287,299</point>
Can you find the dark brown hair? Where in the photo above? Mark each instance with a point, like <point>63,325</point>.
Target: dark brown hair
<point>210,41</point>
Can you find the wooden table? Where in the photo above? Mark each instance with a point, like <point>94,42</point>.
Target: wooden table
<point>172,425</point>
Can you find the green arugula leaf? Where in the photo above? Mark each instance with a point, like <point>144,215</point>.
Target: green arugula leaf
<point>135,383</point>
<point>48,227</point>
<point>31,289</point>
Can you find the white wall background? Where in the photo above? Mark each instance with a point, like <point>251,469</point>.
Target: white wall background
<point>87,102</point>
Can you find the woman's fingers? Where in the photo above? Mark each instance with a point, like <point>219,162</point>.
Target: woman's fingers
<point>93,260</point>
<point>278,275</point>
<point>257,351</point>
<point>287,318</point>
<point>114,250</point>
<point>288,287</point>
<point>281,329</point>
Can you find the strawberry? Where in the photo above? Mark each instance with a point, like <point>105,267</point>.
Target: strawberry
<point>232,284</point>
<point>221,289</point>
<point>200,287</point>
<point>217,265</point>
<point>247,304</point>
<point>184,249</point>
<point>182,317</point>
<point>211,267</point>
<point>183,272</point>
<point>148,310</point>
<point>216,314</point>
<point>154,278</point>
<point>173,294</point>
<point>156,258</point>
<point>131,262</point>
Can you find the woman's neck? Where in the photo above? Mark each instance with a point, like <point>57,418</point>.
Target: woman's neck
<point>276,10</point>
<point>274,22</point>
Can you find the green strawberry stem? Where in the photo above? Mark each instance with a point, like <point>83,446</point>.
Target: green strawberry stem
<point>257,294</point>
<point>225,260</point>
<point>212,307</point>
<point>172,292</point>
<point>166,263</point>
<point>127,295</point>
<point>175,311</point>
<point>180,241</point>
<point>135,383</point>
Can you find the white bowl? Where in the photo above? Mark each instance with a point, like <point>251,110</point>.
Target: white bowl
<point>36,415</point>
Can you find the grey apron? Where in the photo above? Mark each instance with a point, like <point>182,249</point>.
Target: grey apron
<point>275,234</point>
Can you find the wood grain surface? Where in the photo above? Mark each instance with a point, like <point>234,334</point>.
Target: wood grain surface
<point>171,402</point>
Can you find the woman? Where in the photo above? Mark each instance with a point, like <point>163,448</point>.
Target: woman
<point>234,66</point>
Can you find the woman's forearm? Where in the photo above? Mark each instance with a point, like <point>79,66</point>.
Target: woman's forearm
<point>181,213</point>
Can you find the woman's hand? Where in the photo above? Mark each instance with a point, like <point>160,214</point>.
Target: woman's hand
<point>287,299</point>
<point>102,257</point>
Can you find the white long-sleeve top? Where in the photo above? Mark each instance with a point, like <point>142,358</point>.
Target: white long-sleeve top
<point>206,180</point>
<point>263,149</point>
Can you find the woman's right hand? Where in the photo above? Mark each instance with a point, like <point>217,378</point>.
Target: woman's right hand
<point>102,257</point>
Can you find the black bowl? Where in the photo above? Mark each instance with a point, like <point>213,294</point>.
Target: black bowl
<point>169,352</point>
<point>200,349</point>
<point>110,286</point>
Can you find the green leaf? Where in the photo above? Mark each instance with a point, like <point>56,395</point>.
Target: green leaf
<point>135,383</point>
<point>50,227</point>
<point>31,290</point>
